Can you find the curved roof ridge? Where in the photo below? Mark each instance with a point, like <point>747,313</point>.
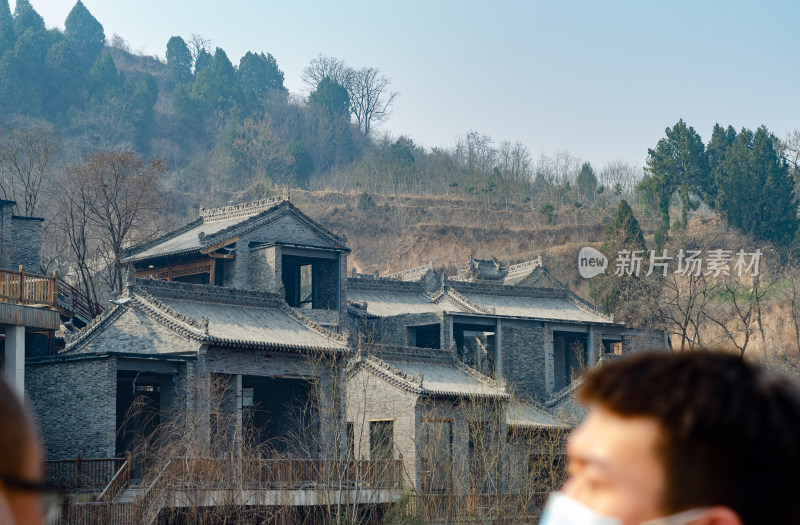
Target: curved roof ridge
<point>205,293</point>
<point>584,305</point>
<point>476,308</point>
<point>339,338</point>
<point>172,319</point>
<point>84,334</point>
<point>244,209</point>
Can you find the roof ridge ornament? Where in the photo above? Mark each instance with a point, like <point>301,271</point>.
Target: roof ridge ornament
<point>243,209</point>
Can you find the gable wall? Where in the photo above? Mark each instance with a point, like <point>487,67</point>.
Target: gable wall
<point>134,332</point>
<point>370,398</point>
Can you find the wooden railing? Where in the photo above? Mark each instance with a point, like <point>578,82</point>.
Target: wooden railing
<point>76,301</point>
<point>118,483</point>
<point>92,512</point>
<point>29,289</point>
<point>112,475</point>
<point>82,474</point>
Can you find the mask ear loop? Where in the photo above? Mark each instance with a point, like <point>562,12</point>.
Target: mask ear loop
<point>681,518</point>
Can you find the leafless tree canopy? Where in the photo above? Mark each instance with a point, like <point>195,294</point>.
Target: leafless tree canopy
<point>108,200</point>
<point>28,152</point>
<point>370,97</point>
<point>321,67</point>
<point>198,43</point>
<point>368,89</point>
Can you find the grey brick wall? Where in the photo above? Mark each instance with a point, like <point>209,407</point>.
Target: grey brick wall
<point>634,341</point>
<point>265,269</point>
<point>368,399</point>
<point>26,242</point>
<point>74,403</point>
<point>20,241</point>
<point>394,330</point>
<point>523,347</point>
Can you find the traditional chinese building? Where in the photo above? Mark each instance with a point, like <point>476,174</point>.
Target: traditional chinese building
<point>413,371</point>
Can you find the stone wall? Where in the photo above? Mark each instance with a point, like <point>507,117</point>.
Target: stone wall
<point>394,330</point>
<point>265,269</point>
<point>20,240</point>
<point>74,403</point>
<point>370,399</point>
<point>524,358</point>
<point>634,341</point>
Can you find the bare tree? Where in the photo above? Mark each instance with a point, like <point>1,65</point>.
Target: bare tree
<point>73,224</point>
<point>321,67</point>
<point>370,97</point>
<point>790,293</point>
<point>197,44</point>
<point>28,151</point>
<point>368,88</point>
<point>109,201</point>
<point>738,318</point>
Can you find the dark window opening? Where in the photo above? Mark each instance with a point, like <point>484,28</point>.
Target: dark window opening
<point>310,282</point>
<point>381,440</point>
<point>427,336</point>
<point>141,400</point>
<point>38,344</point>
<point>570,355</point>
<point>476,346</point>
<point>278,412</point>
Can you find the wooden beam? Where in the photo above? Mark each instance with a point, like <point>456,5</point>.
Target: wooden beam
<point>215,247</point>
<point>228,256</point>
<point>212,274</point>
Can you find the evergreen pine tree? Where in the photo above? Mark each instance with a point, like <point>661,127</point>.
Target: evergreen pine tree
<point>85,33</point>
<point>179,60</point>
<point>756,189</point>
<point>623,233</point>
<point>26,17</point>
<point>7,36</point>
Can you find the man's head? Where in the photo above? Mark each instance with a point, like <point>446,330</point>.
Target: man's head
<point>20,462</point>
<point>672,432</point>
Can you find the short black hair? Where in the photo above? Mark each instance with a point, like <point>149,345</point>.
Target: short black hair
<point>730,430</point>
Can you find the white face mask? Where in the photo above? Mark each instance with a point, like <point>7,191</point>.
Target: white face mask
<point>563,510</point>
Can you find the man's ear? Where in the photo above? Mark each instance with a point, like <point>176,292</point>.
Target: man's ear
<point>720,516</point>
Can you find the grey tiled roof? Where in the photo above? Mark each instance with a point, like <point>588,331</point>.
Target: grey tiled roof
<point>254,326</point>
<point>218,316</point>
<point>434,378</point>
<point>387,303</point>
<point>539,307</point>
<point>520,414</point>
<point>384,298</point>
<point>218,225</point>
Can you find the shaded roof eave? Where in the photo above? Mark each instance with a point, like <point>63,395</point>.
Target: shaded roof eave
<point>69,356</point>
<point>525,318</point>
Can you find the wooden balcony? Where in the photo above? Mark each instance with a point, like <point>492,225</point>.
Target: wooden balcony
<point>28,300</point>
<point>28,289</point>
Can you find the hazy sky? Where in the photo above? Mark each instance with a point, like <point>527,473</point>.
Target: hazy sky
<point>601,79</point>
